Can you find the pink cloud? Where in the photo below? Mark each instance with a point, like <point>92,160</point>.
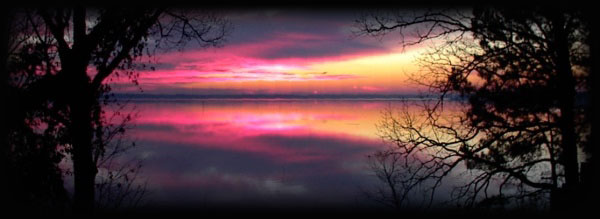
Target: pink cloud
<point>248,61</point>
<point>258,73</point>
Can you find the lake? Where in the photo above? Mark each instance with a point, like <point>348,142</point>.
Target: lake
<point>257,153</point>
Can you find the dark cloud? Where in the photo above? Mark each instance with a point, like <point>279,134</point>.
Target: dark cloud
<point>266,26</point>
<point>258,25</point>
<point>319,50</point>
<point>149,67</point>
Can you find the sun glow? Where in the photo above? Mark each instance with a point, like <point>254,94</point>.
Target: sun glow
<point>290,60</point>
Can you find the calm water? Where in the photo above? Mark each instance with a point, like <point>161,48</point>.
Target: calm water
<point>299,154</point>
<point>257,153</point>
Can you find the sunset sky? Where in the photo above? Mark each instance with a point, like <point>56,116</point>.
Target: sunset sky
<point>285,52</point>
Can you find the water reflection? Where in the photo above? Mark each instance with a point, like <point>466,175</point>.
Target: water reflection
<point>257,152</point>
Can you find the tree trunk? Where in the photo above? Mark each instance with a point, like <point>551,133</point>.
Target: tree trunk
<point>566,101</point>
<point>81,102</point>
<point>84,167</point>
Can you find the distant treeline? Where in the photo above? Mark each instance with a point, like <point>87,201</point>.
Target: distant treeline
<point>580,98</point>
<point>276,96</point>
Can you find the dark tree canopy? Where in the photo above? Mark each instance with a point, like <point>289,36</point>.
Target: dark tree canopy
<point>523,77</point>
<point>56,74</point>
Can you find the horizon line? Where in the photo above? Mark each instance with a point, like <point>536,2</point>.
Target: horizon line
<point>272,96</point>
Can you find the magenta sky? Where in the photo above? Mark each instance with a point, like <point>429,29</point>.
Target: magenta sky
<point>284,52</point>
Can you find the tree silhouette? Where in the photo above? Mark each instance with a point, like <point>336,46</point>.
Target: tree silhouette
<point>58,64</point>
<point>518,73</point>
<point>118,183</point>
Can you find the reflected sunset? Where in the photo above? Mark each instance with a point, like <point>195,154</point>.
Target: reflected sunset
<point>289,151</point>
<point>261,146</point>
<point>400,109</point>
